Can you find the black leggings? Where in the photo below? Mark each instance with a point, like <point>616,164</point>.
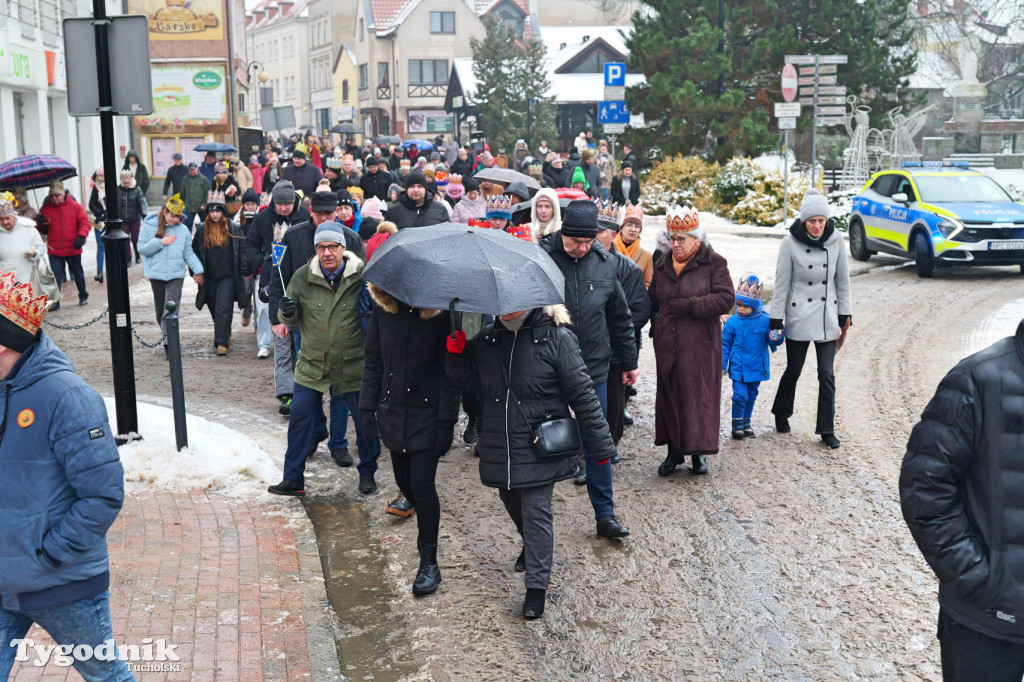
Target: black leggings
<point>414,474</point>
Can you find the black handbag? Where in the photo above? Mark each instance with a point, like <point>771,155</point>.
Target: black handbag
<point>551,439</point>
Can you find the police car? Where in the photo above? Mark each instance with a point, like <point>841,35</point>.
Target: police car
<point>938,215</point>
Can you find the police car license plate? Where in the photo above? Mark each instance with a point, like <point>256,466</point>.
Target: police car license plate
<point>1006,246</point>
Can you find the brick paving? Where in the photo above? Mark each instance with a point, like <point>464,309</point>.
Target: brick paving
<point>233,583</point>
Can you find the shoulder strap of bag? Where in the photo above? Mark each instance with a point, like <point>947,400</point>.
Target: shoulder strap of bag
<point>508,384</point>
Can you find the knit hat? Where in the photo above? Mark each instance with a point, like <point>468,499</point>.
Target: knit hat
<point>384,230</point>
<point>250,196</point>
<point>580,219</point>
<point>345,199</point>
<point>298,153</point>
<point>748,292</point>
<point>499,206</point>
<point>254,159</point>
<point>371,209</point>
<point>284,192</point>
<point>518,189</point>
<point>578,176</point>
<point>471,184</point>
<point>814,204</point>
<point>323,200</point>
<point>415,178</point>
<point>329,231</point>
<point>634,214</point>
<point>372,161</point>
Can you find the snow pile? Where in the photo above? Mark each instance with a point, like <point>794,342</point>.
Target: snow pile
<point>217,457</point>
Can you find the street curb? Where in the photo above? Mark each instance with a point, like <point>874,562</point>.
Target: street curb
<point>321,639</point>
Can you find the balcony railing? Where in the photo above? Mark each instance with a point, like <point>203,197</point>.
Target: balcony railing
<point>427,90</point>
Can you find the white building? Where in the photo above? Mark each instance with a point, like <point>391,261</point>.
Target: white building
<point>278,36</point>
<point>321,63</point>
<point>33,89</point>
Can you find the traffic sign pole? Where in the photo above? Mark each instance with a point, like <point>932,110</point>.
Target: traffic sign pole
<point>785,191</point>
<point>814,130</point>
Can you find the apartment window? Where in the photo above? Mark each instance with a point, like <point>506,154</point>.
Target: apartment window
<point>364,76</point>
<point>442,22</point>
<point>383,81</point>
<point>428,71</point>
<point>344,90</point>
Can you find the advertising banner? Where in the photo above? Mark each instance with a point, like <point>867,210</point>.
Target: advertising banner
<point>181,20</point>
<point>430,121</point>
<point>187,95</point>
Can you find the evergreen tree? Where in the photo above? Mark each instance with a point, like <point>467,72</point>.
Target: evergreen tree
<point>511,97</point>
<point>710,85</point>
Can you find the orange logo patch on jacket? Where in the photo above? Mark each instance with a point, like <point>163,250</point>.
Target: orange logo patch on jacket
<point>25,418</point>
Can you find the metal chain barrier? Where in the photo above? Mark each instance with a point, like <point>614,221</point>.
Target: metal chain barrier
<point>159,343</point>
<point>72,327</point>
<point>75,327</point>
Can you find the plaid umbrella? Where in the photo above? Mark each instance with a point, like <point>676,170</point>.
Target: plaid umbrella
<point>34,170</point>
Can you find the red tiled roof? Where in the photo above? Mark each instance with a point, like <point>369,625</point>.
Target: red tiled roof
<point>292,10</point>
<point>386,12</point>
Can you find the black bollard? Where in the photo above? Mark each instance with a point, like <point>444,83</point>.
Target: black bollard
<point>177,383</point>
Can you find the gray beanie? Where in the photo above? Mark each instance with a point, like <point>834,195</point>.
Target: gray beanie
<point>814,204</point>
<point>284,192</point>
<point>329,231</point>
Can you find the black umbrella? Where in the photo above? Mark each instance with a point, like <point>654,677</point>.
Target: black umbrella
<point>347,129</point>
<point>388,139</point>
<point>465,268</point>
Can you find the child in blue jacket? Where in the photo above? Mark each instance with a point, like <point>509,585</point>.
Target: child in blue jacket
<point>745,343</point>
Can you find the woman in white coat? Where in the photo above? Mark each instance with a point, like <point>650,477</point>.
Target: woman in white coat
<point>813,303</point>
<point>20,243</point>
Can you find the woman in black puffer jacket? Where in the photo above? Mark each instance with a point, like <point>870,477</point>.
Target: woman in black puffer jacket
<point>542,359</point>
<point>416,407</point>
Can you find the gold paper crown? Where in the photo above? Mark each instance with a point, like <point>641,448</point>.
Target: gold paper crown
<point>499,203</point>
<point>356,191</point>
<point>535,168</point>
<point>175,205</point>
<point>265,199</point>
<point>216,197</point>
<point>334,163</point>
<point>18,305</point>
<point>749,287</point>
<point>220,167</point>
<point>8,204</point>
<point>454,179</point>
<point>682,219</point>
<point>634,214</point>
<point>607,212</point>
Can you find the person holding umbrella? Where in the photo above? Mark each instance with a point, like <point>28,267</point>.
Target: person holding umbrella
<point>528,370</point>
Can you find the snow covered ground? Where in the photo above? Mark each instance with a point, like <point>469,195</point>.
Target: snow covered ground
<point>218,457</point>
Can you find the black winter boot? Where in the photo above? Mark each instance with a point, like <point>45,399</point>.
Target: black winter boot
<point>699,466</point>
<point>737,429</point>
<point>669,465</point>
<point>521,562</point>
<point>472,432</point>
<point>830,440</point>
<point>533,605</point>
<point>288,487</point>
<point>429,576</point>
<point>781,424</point>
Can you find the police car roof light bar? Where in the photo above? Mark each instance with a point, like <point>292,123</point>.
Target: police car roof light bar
<point>936,164</point>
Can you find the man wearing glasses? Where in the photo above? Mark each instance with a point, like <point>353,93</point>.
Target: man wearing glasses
<point>322,304</point>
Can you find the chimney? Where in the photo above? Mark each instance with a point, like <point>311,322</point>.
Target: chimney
<point>586,38</point>
<point>562,46</point>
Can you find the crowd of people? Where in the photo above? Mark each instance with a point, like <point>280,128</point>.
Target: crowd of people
<point>285,241</point>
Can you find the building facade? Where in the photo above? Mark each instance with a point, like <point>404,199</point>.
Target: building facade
<point>33,89</point>
<point>321,58</point>
<point>278,35</point>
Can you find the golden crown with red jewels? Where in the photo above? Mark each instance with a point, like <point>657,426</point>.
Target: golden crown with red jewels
<point>454,179</point>
<point>682,220</point>
<point>634,214</point>
<point>19,306</point>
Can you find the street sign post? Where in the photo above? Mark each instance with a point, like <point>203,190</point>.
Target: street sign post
<point>614,93</point>
<point>830,111</point>
<point>789,83</point>
<point>818,76</point>
<point>612,112</point>
<point>787,124</point>
<point>132,90</point>
<point>614,128</point>
<point>787,109</point>
<point>822,121</point>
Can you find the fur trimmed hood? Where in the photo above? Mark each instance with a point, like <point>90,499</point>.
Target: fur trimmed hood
<point>559,314</point>
<point>390,304</point>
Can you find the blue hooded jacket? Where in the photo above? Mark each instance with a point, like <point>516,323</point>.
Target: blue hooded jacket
<point>745,346</point>
<point>61,483</point>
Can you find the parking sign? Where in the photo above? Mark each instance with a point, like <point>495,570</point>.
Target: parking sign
<point>614,74</point>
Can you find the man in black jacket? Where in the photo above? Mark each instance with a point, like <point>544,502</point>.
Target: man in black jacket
<point>302,174</point>
<point>376,179</point>
<point>960,489</point>
<point>395,159</point>
<point>632,280</point>
<point>416,207</point>
<point>175,174</point>
<point>269,226</point>
<point>601,320</point>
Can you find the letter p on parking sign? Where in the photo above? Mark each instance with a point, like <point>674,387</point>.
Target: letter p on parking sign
<point>614,74</point>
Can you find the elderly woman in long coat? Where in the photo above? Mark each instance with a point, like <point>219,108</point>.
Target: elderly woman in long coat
<point>690,291</point>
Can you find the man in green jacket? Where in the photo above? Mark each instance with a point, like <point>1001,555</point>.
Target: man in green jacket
<point>323,299</point>
<point>194,190</point>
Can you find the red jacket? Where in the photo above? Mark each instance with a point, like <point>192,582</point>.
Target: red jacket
<point>67,221</point>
